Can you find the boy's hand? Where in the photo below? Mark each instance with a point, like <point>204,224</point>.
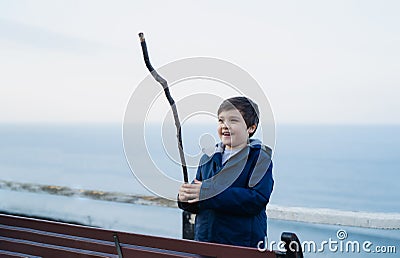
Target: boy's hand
<point>190,192</point>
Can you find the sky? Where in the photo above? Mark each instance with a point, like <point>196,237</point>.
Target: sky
<point>323,62</point>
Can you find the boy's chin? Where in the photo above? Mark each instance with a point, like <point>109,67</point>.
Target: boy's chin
<point>226,142</point>
<point>228,145</point>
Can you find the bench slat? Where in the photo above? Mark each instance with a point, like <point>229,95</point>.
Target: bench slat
<point>57,239</point>
<point>8,254</point>
<point>46,250</point>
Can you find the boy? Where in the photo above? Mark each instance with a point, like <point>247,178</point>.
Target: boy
<point>232,186</point>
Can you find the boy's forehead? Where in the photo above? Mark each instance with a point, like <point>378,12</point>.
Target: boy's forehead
<point>229,113</point>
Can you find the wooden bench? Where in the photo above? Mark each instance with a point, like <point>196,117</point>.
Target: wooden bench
<point>28,237</point>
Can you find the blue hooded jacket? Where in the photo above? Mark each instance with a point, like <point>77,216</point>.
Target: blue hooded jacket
<point>231,209</point>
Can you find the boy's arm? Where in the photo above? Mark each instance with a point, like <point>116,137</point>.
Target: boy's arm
<point>242,201</point>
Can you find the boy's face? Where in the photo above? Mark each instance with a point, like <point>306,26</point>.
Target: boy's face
<point>232,129</point>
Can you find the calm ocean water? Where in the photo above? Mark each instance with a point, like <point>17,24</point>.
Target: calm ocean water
<point>340,167</point>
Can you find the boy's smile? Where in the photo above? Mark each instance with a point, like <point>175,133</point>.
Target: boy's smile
<point>232,129</point>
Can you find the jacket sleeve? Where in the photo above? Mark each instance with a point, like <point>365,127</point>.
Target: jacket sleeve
<point>242,201</point>
<point>190,207</point>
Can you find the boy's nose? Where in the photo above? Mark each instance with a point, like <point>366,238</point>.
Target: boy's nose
<point>225,126</point>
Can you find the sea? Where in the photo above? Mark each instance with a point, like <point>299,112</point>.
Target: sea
<point>339,167</point>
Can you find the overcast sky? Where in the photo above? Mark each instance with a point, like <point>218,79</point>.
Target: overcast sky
<point>317,61</point>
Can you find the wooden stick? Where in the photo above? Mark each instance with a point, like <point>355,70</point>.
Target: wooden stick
<point>171,101</point>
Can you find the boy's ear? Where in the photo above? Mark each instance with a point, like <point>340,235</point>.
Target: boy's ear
<point>251,129</point>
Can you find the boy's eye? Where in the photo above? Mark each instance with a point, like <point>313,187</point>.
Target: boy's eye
<point>220,120</point>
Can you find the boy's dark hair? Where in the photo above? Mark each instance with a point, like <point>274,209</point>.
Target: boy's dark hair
<point>246,107</point>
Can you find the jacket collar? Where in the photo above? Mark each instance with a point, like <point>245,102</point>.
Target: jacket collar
<point>220,147</point>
